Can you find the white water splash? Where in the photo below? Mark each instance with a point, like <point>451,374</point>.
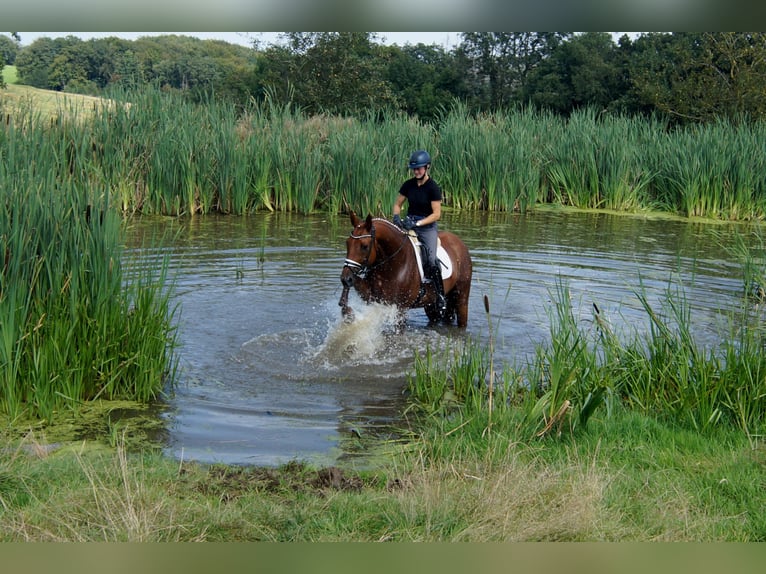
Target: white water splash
<point>362,339</point>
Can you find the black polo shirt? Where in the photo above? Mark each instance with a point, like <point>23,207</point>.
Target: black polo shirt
<point>419,198</point>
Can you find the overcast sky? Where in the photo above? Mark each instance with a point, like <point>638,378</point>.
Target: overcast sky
<point>446,40</point>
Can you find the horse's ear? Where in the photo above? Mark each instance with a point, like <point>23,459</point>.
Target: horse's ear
<point>368,221</point>
<point>354,218</point>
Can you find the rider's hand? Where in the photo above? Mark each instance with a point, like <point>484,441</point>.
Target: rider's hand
<point>397,220</point>
<point>408,223</point>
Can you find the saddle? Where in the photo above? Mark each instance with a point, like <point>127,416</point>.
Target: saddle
<point>442,257</point>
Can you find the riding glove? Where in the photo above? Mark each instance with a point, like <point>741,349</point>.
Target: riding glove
<point>408,223</point>
<point>397,220</point>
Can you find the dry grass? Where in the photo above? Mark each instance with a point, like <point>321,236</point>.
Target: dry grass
<point>509,501</point>
<point>106,497</point>
<point>48,103</point>
<point>518,493</point>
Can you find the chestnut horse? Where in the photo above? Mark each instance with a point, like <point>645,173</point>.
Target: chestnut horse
<point>382,264</point>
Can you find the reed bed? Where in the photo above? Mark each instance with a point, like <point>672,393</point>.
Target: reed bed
<point>657,369</point>
<point>73,329</point>
<point>161,154</point>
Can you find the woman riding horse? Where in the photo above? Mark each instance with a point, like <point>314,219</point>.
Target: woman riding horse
<point>424,209</point>
<point>382,265</point>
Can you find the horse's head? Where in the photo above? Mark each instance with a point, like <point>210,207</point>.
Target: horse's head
<point>360,248</point>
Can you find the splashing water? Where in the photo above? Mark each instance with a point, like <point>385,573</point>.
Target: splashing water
<point>365,338</point>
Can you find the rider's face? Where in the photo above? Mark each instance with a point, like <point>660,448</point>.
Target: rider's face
<point>419,172</point>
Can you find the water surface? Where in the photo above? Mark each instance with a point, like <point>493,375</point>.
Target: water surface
<point>269,373</point>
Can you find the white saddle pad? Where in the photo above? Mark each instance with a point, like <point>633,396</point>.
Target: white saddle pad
<point>441,256</point>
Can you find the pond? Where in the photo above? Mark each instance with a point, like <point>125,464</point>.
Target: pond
<point>269,373</point>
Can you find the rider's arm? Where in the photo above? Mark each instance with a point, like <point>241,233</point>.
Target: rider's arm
<point>436,209</point>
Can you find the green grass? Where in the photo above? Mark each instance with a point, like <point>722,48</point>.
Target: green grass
<point>630,477</point>
<point>79,321</point>
<point>9,75</point>
<point>159,153</point>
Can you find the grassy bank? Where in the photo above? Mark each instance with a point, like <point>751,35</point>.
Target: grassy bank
<point>631,478</point>
<point>18,100</point>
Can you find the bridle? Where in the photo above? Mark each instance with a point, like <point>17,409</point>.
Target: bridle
<point>362,269</point>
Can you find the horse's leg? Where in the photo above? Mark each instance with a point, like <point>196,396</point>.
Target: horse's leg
<point>461,304</point>
<point>449,314</point>
<point>346,311</point>
<point>432,313</point>
<point>457,302</point>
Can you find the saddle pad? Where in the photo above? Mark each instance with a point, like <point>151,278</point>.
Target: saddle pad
<point>441,256</point>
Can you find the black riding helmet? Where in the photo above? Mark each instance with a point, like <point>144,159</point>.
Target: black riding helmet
<point>419,159</point>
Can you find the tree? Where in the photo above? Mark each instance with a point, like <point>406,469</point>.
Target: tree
<point>127,70</point>
<point>425,79</point>
<point>33,62</point>
<point>70,66</point>
<point>9,48</point>
<point>701,76</point>
<point>584,71</point>
<point>502,62</point>
<point>339,72</point>
<point>189,64</point>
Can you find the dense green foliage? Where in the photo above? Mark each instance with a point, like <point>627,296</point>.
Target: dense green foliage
<point>76,323</point>
<point>159,153</point>
<point>681,77</point>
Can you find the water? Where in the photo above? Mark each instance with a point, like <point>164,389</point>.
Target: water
<point>269,372</point>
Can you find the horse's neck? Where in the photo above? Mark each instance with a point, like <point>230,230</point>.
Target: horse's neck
<point>391,243</point>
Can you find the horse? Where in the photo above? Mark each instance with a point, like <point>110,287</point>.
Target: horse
<point>383,264</point>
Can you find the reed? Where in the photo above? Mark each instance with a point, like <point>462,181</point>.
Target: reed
<point>457,131</point>
<point>367,160</point>
<point>74,328</point>
<point>749,250</point>
<point>572,170</point>
<point>658,370</point>
<point>158,153</point>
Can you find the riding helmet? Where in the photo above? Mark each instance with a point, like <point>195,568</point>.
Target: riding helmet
<point>419,159</point>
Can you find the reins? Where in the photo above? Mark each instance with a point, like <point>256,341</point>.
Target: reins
<point>361,269</point>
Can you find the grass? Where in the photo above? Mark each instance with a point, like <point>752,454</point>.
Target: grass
<point>80,321</point>
<point>165,155</point>
<point>9,75</point>
<point>17,98</point>
<point>631,478</point>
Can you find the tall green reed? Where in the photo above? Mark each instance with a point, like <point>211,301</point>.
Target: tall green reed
<point>749,251</point>
<point>73,329</point>
<point>572,169</point>
<point>367,160</point>
<point>457,131</point>
<point>158,152</point>
<point>658,369</point>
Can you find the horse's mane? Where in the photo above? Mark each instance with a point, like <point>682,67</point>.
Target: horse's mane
<point>387,222</point>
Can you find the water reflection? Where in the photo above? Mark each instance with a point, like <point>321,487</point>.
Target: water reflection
<point>269,372</point>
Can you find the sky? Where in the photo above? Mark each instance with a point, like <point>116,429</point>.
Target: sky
<point>446,40</point>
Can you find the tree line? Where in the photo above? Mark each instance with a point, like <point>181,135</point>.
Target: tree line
<point>680,77</point>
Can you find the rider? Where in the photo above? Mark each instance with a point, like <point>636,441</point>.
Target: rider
<point>423,211</point>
